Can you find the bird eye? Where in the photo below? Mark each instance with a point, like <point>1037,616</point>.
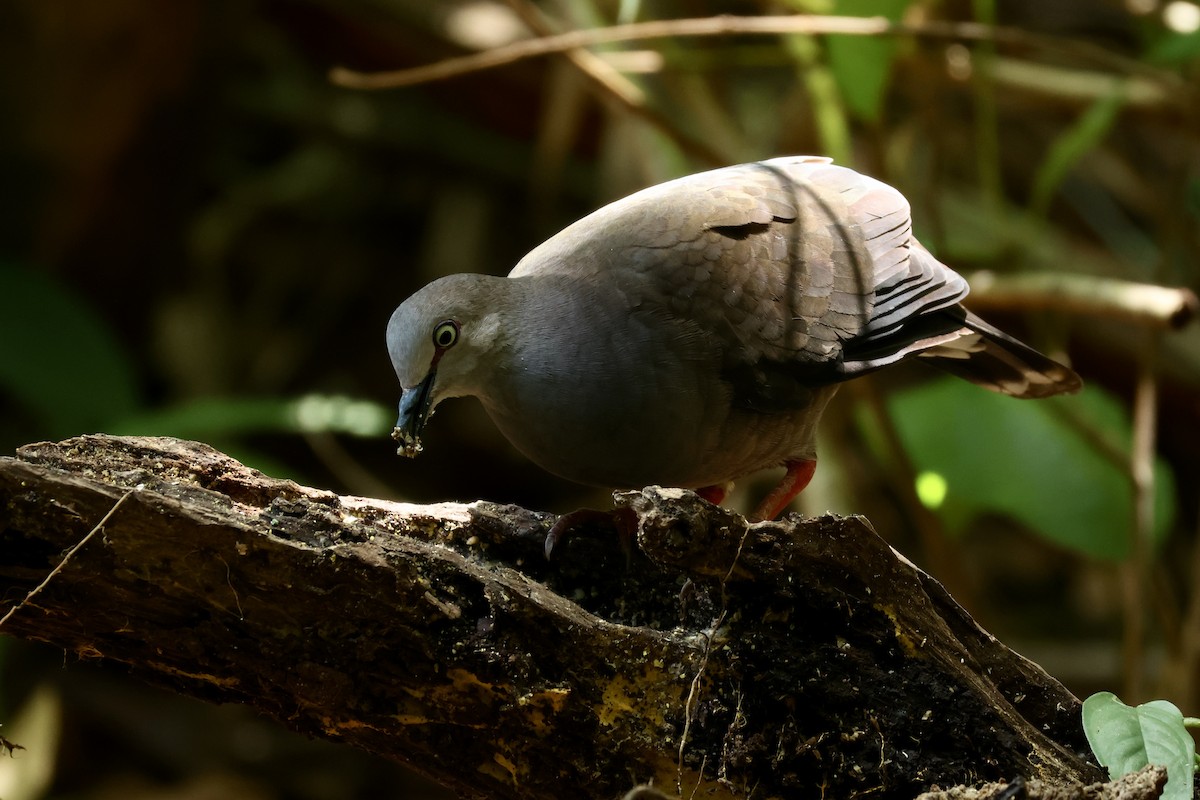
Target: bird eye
<point>445,334</point>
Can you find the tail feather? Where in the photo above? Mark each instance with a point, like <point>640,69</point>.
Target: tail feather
<point>988,357</point>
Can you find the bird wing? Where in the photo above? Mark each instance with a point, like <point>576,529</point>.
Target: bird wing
<point>803,271</point>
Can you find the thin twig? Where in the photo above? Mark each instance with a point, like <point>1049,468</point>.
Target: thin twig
<point>615,86</point>
<point>693,699</point>
<point>1083,86</point>
<point>1189,633</point>
<point>987,120</point>
<point>572,40</point>
<point>1095,436</point>
<point>725,25</point>
<point>74,549</point>
<point>602,74</point>
<point>1136,572</point>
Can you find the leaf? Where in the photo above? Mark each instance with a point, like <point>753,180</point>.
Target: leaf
<point>862,65</point>
<point>1175,49</point>
<point>1127,739</point>
<point>1072,145</point>
<point>220,417</point>
<point>1114,735</point>
<point>1030,460</point>
<point>58,357</point>
<point>825,99</point>
<point>223,422</point>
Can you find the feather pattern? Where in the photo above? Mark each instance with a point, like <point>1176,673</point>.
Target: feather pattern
<point>693,332</point>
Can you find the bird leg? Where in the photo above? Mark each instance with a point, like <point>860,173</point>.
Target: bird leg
<point>623,519</point>
<point>716,493</point>
<point>799,473</point>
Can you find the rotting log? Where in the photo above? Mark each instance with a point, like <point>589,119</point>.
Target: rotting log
<point>711,657</point>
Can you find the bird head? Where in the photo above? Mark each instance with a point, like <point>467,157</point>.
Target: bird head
<point>440,341</point>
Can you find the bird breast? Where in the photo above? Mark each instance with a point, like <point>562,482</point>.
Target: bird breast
<point>646,403</point>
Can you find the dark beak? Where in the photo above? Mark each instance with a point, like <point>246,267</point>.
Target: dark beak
<point>414,411</point>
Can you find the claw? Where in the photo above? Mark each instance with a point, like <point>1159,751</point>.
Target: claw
<point>624,520</point>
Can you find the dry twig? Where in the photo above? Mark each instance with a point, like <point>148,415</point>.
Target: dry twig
<point>67,557</point>
<point>725,25</point>
<point>1143,303</point>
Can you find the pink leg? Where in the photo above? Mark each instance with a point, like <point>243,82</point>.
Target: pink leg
<point>716,493</point>
<point>799,473</point>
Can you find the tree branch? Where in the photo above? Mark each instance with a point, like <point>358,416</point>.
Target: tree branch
<point>1140,303</point>
<point>727,25</point>
<point>715,657</point>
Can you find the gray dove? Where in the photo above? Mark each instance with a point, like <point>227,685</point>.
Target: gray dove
<point>693,332</point>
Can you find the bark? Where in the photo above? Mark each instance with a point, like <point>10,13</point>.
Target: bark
<point>705,656</point>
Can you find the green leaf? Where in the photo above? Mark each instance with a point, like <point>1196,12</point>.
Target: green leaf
<point>1175,49</point>
<point>1126,739</point>
<point>221,417</point>
<point>1114,734</point>
<point>57,356</point>
<point>862,65</point>
<point>1073,144</point>
<point>825,100</point>
<point>1034,461</point>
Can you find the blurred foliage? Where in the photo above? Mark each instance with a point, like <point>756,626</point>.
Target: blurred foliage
<point>1073,144</point>
<point>1034,462</point>
<point>37,724</point>
<point>73,380</point>
<point>863,64</point>
<point>201,236</point>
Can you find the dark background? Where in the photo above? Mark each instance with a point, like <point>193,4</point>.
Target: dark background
<point>201,236</point>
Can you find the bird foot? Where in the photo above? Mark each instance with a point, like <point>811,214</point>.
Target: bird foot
<point>716,493</point>
<point>799,473</point>
<point>624,520</point>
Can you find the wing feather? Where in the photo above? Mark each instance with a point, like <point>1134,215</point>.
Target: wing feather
<point>801,272</point>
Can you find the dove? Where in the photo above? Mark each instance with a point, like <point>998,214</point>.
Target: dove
<point>693,332</point>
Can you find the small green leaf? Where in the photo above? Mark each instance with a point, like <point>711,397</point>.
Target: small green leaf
<point>1114,734</point>
<point>1126,739</point>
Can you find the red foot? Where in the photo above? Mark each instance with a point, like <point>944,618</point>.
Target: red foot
<point>716,493</point>
<point>799,473</point>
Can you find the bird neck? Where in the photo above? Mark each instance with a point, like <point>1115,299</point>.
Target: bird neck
<point>548,316</point>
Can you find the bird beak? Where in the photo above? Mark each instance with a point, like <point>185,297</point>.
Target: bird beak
<point>414,411</point>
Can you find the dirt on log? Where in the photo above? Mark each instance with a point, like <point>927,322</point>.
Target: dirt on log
<point>710,657</point>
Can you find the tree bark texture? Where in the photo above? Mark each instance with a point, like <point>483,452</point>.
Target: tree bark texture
<point>704,655</point>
